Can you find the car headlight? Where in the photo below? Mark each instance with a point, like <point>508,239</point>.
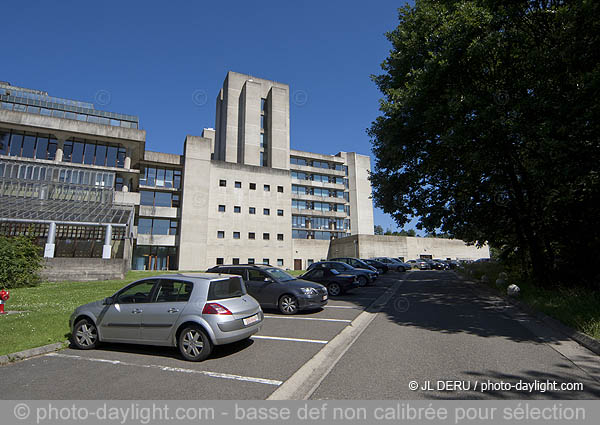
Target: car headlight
<point>309,291</point>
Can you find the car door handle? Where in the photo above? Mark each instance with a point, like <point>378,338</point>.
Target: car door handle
<point>136,311</point>
<point>173,310</point>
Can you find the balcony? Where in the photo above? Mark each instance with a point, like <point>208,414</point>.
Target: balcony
<point>163,212</point>
<point>126,198</point>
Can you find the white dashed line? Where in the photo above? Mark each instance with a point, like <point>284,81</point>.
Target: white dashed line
<point>281,338</point>
<point>309,318</point>
<point>172,369</point>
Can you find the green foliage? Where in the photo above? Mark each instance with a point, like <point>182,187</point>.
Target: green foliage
<point>20,262</point>
<point>489,129</point>
<point>409,232</point>
<point>378,230</point>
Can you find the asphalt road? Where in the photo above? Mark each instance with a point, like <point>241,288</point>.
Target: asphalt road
<point>434,328</point>
<point>437,328</point>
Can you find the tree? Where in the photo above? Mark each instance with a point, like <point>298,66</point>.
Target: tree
<point>20,262</point>
<point>378,230</point>
<point>489,128</point>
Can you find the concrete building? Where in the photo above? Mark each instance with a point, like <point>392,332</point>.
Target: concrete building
<point>81,182</point>
<point>405,247</point>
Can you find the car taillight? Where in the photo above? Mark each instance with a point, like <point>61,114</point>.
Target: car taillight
<point>214,308</point>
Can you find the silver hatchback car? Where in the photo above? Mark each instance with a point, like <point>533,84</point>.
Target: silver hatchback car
<point>193,312</point>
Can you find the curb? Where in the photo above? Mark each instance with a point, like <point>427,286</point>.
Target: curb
<point>579,337</point>
<point>32,352</point>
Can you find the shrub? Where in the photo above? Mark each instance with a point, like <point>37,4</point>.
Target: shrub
<point>20,262</point>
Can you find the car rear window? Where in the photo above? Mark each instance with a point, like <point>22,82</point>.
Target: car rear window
<point>226,288</point>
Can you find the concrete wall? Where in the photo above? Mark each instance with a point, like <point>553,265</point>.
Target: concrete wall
<point>237,122</point>
<point>368,246</point>
<point>78,269</point>
<point>308,249</point>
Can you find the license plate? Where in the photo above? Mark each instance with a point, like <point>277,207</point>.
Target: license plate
<point>324,297</point>
<point>250,320</point>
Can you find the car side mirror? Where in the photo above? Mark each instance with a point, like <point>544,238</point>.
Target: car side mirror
<point>268,280</point>
<point>108,301</point>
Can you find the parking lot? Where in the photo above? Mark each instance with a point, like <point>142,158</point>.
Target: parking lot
<point>247,370</point>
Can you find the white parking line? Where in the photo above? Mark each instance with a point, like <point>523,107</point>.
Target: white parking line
<point>309,318</point>
<point>281,338</point>
<point>173,369</point>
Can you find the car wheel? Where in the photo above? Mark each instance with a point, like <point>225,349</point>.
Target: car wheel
<point>288,304</point>
<point>362,281</point>
<point>193,343</point>
<point>401,269</point>
<point>334,289</point>
<point>85,335</point>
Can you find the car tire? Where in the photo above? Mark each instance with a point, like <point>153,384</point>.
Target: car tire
<point>288,304</point>
<point>85,335</point>
<point>193,343</point>
<point>362,281</point>
<point>334,289</point>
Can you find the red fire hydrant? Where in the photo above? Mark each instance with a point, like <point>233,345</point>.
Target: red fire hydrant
<point>4,296</point>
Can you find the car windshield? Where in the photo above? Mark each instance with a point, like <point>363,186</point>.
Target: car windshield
<point>226,288</point>
<point>279,274</point>
<point>344,266</point>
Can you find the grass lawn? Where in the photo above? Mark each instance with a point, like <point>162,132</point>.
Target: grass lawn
<point>576,307</point>
<point>47,309</point>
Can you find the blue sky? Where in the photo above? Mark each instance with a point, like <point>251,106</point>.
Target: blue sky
<point>162,60</point>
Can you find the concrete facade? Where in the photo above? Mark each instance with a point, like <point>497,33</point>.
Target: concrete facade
<point>407,247</point>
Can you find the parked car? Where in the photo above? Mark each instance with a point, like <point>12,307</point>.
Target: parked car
<point>441,264</point>
<point>392,264</point>
<point>336,282</point>
<point>356,263</point>
<point>274,288</point>
<point>193,312</point>
<point>379,266</point>
<point>401,261</point>
<point>364,276</point>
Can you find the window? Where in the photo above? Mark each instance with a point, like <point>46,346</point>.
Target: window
<point>310,261</point>
<point>280,262</point>
<point>221,208</point>
<point>237,209</point>
<point>238,185</point>
<point>252,210</point>
<point>251,235</point>
<point>267,188</point>
<point>236,261</point>
<point>262,104</point>
<point>262,122</point>
<point>252,186</point>
<point>280,189</point>
<point>264,160</point>
<point>222,183</point>
<point>265,236</point>
<point>262,140</point>
<point>236,235</point>
<point>250,260</point>
<point>280,213</point>
<point>137,293</point>
<point>265,261</point>
<point>266,211</point>
<point>298,161</point>
<point>220,234</point>
<point>279,236</point>
<point>173,291</point>
<point>219,261</point>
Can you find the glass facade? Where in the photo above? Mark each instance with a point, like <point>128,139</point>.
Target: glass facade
<point>21,100</point>
<point>160,177</point>
<point>79,151</point>
<point>147,257</point>
<point>159,199</point>
<point>157,226</point>
<point>28,145</point>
